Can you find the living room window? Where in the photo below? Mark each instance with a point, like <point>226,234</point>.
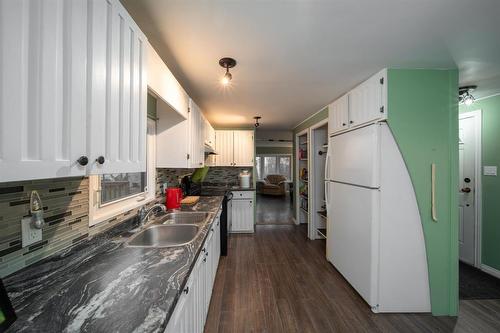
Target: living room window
<point>275,164</point>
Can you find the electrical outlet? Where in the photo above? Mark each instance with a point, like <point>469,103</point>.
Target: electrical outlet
<point>30,235</point>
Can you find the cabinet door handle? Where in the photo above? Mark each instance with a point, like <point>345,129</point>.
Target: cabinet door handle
<point>100,160</point>
<point>83,160</point>
<point>351,122</point>
<point>186,290</point>
<point>343,124</point>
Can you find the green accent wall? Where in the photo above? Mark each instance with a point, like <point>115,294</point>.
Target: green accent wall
<point>423,116</point>
<point>151,106</point>
<point>274,150</point>
<point>490,248</point>
<point>316,118</point>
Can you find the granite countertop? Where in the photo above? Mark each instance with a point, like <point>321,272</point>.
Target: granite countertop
<point>101,286</point>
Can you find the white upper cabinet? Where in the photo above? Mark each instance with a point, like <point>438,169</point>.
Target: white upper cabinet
<point>164,85</point>
<point>224,148</point>
<point>234,148</point>
<point>365,103</point>
<point>118,90</point>
<point>42,89</point>
<point>73,85</point>
<point>208,133</point>
<point>338,114</point>
<point>181,145</point>
<point>196,136</point>
<point>243,148</point>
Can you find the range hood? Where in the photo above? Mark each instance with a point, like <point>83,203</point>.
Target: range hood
<point>209,150</point>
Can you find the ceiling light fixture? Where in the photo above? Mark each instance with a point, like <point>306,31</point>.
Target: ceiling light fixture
<point>257,121</point>
<point>465,96</point>
<point>227,63</point>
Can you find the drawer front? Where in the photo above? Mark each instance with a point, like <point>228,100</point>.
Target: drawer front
<point>242,195</point>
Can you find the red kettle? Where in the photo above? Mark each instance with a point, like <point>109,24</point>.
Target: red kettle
<point>173,197</point>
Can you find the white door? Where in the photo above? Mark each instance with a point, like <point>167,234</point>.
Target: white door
<point>355,157</point>
<point>42,89</point>
<point>117,91</point>
<point>243,148</point>
<point>224,148</point>
<point>468,140</point>
<point>338,115</point>
<point>366,101</point>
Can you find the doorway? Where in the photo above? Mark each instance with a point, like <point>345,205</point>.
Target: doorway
<point>470,188</point>
<point>274,185</point>
<point>474,283</point>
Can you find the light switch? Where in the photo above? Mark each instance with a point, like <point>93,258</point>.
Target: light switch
<point>490,170</point>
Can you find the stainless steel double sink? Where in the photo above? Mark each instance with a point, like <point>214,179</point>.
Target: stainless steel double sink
<point>170,230</point>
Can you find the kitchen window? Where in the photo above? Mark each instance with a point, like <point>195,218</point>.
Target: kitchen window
<point>273,165</point>
<point>112,194</point>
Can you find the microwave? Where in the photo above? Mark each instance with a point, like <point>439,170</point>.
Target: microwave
<point>7,314</point>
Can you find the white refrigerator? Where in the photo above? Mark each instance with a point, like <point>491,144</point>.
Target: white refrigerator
<point>375,237</point>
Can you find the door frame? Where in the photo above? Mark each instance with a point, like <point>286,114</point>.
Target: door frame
<point>297,171</point>
<point>313,216</point>
<point>477,115</point>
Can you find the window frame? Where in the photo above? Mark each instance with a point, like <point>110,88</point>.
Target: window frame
<point>277,163</point>
<point>101,212</point>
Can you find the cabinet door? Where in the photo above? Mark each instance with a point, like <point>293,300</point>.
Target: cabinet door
<point>195,134</point>
<point>118,90</point>
<point>243,148</point>
<point>365,101</point>
<point>183,317</point>
<point>242,216</point>
<point>42,88</point>
<point>338,115</point>
<point>224,148</point>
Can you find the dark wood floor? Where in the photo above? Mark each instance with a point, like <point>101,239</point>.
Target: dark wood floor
<point>274,209</point>
<point>277,281</point>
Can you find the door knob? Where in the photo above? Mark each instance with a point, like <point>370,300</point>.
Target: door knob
<point>100,160</point>
<point>83,160</point>
<point>466,190</point>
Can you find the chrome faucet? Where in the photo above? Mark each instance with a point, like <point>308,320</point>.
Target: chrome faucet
<point>144,213</point>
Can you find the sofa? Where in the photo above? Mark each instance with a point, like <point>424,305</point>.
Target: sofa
<point>272,185</point>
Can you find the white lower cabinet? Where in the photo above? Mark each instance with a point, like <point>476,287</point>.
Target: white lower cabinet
<point>242,212</point>
<point>191,310</point>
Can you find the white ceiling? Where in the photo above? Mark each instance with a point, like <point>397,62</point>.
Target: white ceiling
<point>296,56</point>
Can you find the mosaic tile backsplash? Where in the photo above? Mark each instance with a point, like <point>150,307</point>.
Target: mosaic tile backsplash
<point>65,203</point>
<point>215,175</point>
<point>225,175</point>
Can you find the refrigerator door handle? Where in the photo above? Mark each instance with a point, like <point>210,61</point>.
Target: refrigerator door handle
<point>326,196</point>
<point>433,192</point>
<point>327,163</point>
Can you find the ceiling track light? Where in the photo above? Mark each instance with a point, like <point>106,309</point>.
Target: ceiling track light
<point>227,63</point>
<point>465,96</point>
<point>257,124</point>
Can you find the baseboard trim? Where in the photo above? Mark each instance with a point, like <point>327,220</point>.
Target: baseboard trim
<point>490,270</point>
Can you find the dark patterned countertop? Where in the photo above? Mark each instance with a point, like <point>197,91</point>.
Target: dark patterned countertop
<point>222,188</point>
<point>100,285</point>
